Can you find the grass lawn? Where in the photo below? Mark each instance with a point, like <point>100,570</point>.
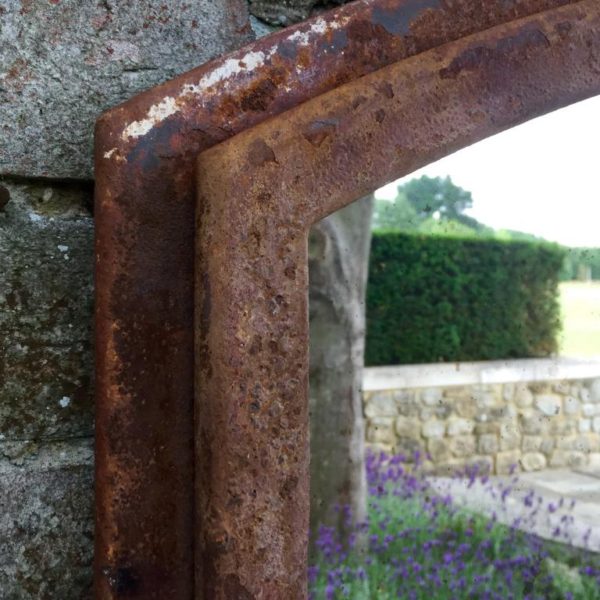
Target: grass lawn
<point>580,304</point>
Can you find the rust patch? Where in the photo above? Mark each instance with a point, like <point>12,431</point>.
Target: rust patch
<point>260,153</point>
<point>146,151</point>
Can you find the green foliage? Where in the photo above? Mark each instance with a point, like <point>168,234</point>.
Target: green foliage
<point>433,298</point>
<point>431,205</point>
<point>430,195</point>
<point>397,214</point>
<point>578,258</point>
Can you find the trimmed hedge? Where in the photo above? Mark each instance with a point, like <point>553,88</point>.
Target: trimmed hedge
<point>432,298</point>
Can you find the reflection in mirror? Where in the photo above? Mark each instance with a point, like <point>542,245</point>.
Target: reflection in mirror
<point>464,461</point>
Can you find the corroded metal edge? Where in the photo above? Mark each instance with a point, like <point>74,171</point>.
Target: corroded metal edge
<point>145,153</point>
<point>258,195</point>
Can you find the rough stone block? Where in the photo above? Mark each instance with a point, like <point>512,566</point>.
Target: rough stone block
<point>507,462</point>
<point>484,396</point>
<point>523,396</point>
<point>65,62</point>
<point>438,450</point>
<point>585,425</point>
<point>568,458</point>
<point>596,424</point>
<point>381,404</point>
<point>442,410</point>
<point>46,523</point>
<point>572,406</point>
<point>533,461</point>
<point>488,443</point>
<point>533,425</point>
<point>559,426</point>
<point>431,396</point>
<point>590,410</point>
<point>459,426</point>
<point>465,407</point>
<point>433,428</point>
<point>407,427</point>
<point>594,388</point>
<point>487,427</point>
<point>532,443</point>
<point>46,259</point>
<point>510,441</point>
<point>462,446</point>
<point>549,404</point>
<point>484,464</point>
<point>380,430</point>
<point>561,388</point>
<point>508,392</point>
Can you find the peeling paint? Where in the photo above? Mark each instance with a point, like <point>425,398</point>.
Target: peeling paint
<point>226,71</point>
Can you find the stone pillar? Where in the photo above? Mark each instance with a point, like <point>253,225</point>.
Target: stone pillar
<point>62,64</point>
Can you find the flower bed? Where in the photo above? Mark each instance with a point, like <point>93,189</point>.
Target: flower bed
<point>418,544</point>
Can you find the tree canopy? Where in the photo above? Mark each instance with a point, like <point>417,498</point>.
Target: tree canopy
<point>429,203</point>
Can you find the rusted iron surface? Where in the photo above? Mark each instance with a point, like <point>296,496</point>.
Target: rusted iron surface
<point>259,193</point>
<point>145,158</point>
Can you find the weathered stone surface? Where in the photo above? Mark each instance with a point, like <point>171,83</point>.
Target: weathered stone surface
<point>488,443</point>
<point>462,446</point>
<point>457,426</point>
<point>381,404</point>
<point>548,404</point>
<point>407,427</point>
<point>506,462</point>
<point>46,524</point>
<point>438,450</point>
<point>286,12</point>
<point>567,458</point>
<point>572,406</point>
<point>590,410</point>
<point>433,428</point>
<point>431,396</point>
<point>46,261</point>
<point>594,390</point>
<point>381,431</point>
<point>532,443</point>
<point>533,461</point>
<point>523,396</point>
<point>64,62</point>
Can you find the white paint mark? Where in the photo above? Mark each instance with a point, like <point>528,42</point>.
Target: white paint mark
<point>62,248</point>
<point>229,69</point>
<point>110,153</point>
<point>157,113</point>
<point>64,401</point>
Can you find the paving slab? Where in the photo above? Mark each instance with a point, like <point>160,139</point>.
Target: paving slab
<point>536,502</point>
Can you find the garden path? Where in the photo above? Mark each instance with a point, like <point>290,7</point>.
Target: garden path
<point>579,491</point>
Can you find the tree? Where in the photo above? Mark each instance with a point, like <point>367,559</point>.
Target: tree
<point>439,196</point>
<point>397,214</point>
<point>338,263</point>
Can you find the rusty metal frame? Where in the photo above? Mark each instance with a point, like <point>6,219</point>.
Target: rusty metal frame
<point>442,75</point>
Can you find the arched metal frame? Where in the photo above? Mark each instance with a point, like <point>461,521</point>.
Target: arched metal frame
<point>380,88</point>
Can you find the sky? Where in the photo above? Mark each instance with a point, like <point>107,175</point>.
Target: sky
<point>542,177</point>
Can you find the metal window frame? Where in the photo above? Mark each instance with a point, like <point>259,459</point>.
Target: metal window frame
<point>380,87</point>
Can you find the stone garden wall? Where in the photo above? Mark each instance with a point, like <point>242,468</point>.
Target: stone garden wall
<point>62,64</point>
<point>533,414</point>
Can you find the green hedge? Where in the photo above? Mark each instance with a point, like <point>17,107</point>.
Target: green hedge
<point>433,299</point>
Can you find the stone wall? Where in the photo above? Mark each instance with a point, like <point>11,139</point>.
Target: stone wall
<point>523,413</point>
<point>62,64</point>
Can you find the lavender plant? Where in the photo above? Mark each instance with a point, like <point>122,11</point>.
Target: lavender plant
<point>419,543</point>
